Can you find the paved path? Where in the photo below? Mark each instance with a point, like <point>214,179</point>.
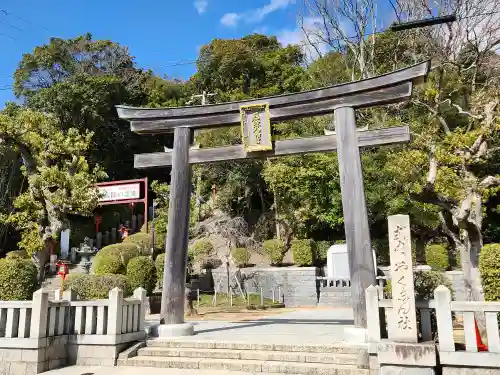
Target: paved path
<point>304,326</point>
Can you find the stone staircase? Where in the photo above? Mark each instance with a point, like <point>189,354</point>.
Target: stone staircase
<point>340,359</point>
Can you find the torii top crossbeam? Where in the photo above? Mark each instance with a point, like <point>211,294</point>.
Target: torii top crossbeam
<point>385,89</point>
<point>255,117</point>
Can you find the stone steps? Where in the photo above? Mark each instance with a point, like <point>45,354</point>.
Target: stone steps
<point>250,366</point>
<point>341,359</point>
<point>303,357</point>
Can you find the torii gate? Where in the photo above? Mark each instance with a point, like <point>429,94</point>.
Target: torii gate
<point>256,117</point>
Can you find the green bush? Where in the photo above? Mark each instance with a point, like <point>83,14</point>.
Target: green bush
<point>18,279</point>
<point>489,268</point>
<point>143,240</point>
<point>436,256</point>
<point>108,264</point>
<point>88,287</point>
<point>425,283</point>
<point>303,252</point>
<point>160,269</point>
<point>21,254</point>
<point>241,256</point>
<point>322,250</point>
<point>113,259</point>
<point>141,273</point>
<point>200,249</point>
<point>275,250</point>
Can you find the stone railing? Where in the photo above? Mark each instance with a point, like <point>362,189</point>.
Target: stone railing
<point>40,335</point>
<point>453,355</point>
<point>381,318</point>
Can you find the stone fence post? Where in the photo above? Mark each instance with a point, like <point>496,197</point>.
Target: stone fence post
<point>141,294</point>
<point>39,314</point>
<point>115,312</point>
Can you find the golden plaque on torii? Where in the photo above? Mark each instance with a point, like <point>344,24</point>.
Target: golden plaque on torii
<point>256,127</point>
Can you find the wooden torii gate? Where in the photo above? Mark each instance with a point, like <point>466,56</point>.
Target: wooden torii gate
<point>256,117</point>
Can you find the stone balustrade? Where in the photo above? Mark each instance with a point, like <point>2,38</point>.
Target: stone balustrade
<point>40,335</point>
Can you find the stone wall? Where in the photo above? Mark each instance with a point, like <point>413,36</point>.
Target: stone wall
<point>297,285</point>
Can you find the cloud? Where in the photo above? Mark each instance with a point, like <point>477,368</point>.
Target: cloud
<point>201,6</point>
<point>230,19</point>
<point>297,36</point>
<point>255,15</point>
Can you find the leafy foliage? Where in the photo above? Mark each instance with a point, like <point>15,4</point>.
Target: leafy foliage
<point>141,273</point>
<point>60,181</point>
<point>303,252</point>
<point>200,249</point>
<point>321,251</point>
<point>489,268</point>
<point>110,264</point>
<point>436,256</point>
<point>18,279</point>
<point>90,287</point>
<point>275,251</point>
<point>241,256</point>
<point>143,240</point>
<point>160,269</point>
<point>113,259</point>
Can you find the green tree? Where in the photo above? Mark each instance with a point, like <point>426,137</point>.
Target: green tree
<point>80,81</point>
<point>60,181</point>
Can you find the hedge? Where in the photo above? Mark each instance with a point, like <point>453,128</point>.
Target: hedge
<point>18,279</point>
<point>141,273</point>
<point>489,269</point>
<point>436,256</point>
<point>241,256</point>
<point>322,250</point>
<point>160,269</point>
<point>88,287</point>
<point>143,240</point>
<point>275,250</point>
<point>303,252</point>
<point>113,259</point>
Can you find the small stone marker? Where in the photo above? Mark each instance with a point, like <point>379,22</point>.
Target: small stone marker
<point>99,240</point>
<point>403,292</point>
<point>337,262</point>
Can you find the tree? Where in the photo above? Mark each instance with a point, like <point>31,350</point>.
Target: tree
<point>80,81</point>
<point>60,181</point>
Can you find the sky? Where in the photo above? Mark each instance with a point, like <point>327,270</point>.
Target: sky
<point>163,35</point>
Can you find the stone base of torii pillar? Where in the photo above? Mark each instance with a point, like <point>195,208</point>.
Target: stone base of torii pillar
<point>171,330</point>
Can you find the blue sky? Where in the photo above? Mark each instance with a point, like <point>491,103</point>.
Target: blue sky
<point>158,33</point>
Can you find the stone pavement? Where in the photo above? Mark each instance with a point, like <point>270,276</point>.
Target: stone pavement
<point>302,326</point>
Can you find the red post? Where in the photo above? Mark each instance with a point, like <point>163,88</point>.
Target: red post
<point>146,210</point>
<point>98,221</point>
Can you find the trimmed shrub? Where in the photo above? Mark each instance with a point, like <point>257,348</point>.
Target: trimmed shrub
<point>489,268</point>
<point>18,279</point>
<point>89,287</point>
<point>275,250</point>
<point>322,250</point>
<point>113,259</point>
<point>108,264</point>
<point>436,256</point>
<point>241,256</point>
<point>143,240</point>
<point>160,269</point>
<point>200,249</point>
<point>20,254</point>
<point>303,252</point>
<point>141,273</point>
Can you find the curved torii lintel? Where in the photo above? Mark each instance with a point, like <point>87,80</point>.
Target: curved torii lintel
<point>385,89</point>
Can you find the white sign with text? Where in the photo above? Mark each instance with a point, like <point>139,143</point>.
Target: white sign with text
<point>119,192</point>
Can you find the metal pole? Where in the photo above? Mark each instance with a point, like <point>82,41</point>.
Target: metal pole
<point>230,297</point>
<point>198,298</point>
<point>273,293</point>
<point>261,296</point>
